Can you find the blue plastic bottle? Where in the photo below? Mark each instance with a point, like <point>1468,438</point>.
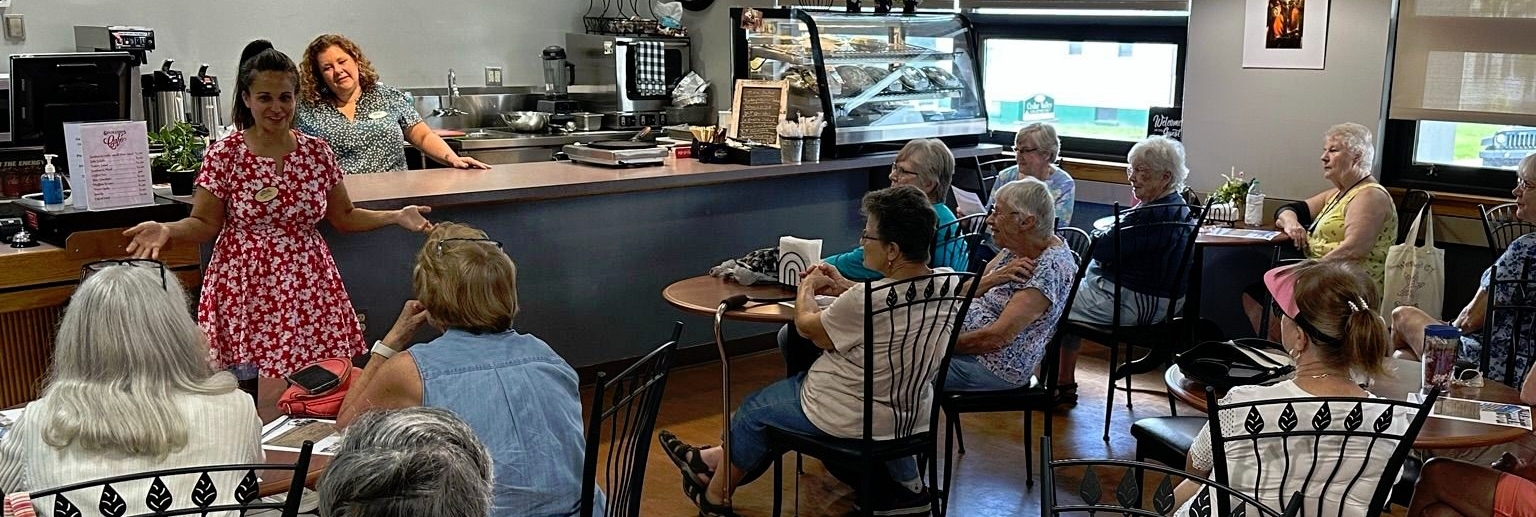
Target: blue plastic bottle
<point>53,186</point>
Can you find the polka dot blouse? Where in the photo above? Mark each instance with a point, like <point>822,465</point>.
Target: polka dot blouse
<point>373,141</point>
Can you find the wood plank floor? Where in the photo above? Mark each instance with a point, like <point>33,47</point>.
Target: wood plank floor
<point>989,479</point>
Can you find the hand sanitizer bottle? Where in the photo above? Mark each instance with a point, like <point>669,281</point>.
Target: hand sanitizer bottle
<point>1253,209</point>
<point>53,186</point>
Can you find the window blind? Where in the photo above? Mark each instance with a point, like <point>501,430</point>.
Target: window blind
<point>1465,61</point>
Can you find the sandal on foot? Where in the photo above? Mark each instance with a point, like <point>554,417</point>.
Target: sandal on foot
<point>687,457</point>
<point>697,493</point>
<point>1066,394</point>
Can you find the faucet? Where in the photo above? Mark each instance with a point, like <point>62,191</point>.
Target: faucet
<point>453,96</point>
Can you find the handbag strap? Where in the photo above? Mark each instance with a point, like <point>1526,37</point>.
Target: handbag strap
<point>1257,355</point>
<point>1429,233</point>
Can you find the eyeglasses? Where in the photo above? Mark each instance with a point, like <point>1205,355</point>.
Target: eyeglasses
<point>992,211</point>
<point>865,237</point>
<point>101,265</point>
<point>1522,183</point>
<point>896,168</point>
<point>1021,150</point>
<point>440,243</point>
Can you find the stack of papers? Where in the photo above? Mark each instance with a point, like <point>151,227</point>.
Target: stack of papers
<point>1259,235</point>
<point>1496,413</point>
<point>289,434</point>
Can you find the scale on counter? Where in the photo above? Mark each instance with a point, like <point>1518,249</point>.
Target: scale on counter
<point>619,153</point>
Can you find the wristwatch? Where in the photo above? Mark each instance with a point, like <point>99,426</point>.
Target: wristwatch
<point>382,349</point>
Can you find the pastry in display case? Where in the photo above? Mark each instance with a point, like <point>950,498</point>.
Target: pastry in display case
<point>878,78</point>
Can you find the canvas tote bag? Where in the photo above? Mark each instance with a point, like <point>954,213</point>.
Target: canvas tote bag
<point>1415,275</point>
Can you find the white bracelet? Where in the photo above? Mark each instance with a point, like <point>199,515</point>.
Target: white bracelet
<point>382,349</point>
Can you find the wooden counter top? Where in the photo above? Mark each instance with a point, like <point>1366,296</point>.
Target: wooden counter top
<point>552,180</point>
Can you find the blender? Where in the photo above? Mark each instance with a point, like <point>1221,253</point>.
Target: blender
<point>558,74</point>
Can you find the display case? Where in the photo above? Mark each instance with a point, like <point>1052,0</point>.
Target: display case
<point>878,78</point>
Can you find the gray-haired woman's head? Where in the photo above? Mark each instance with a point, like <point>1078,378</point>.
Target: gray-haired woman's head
<point>1159,155</point>
<point>931,162</point>
<point>1030,197</point>
<point>1355,139</point>
<point>1042,138</point>
<point>126,347</point>
<point>413,461</point>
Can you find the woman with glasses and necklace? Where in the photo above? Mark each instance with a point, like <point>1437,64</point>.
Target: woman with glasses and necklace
<point>129,391</point>
<point>1037,149</point>
<point>516,393</point>
<point>272,299</point>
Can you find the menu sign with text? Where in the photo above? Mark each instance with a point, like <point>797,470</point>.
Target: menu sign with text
<point>755,110</point>
<point>109,164</point>
<point>1168,122</point>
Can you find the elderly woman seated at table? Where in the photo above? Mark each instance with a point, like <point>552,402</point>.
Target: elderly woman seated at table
<point>1021,296</point>
<point>1454,488</point>
<point>130,391</point>
<point>1330,329</point>
<point>1408,322</point>
<point>1156,174</point>
<point>827,400</point>
<point>928,165</point>
<point>518,395</point>
<point>1352,221</point>
<point>1037,149</point>
<point>413,461</point>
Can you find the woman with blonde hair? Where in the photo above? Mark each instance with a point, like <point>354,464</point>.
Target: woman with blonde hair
<point>513,390</point>
<point>130,391</point>
<point>364,120</point>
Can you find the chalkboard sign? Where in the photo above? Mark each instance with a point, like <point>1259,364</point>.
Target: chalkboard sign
<point>1168,122</point>
<point>755,110</point>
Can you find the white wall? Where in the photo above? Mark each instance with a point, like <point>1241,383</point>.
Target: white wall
<point>710,34</point>
<point>410,43</point>
<point>1268,122</point>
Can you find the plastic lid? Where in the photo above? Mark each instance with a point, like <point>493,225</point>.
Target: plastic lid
<point>554,52</point>
<point>1442,331</point>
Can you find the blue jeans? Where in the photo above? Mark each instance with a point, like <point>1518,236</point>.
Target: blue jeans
<point>778,404</point>
<point>967,373</point>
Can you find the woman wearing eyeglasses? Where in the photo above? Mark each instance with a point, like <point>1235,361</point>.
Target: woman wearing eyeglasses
<point>272,299</point>
<point>1037,149</point>
<point>130,391</point>
<point>518,395</point>
<point>928,165</point>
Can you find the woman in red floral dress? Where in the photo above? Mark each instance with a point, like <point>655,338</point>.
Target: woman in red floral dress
<point>272,296</point>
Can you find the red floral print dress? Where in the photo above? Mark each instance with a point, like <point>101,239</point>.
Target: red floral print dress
<point>272,295</point>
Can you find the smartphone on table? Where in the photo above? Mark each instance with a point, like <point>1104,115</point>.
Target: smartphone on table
<point>314,379</point>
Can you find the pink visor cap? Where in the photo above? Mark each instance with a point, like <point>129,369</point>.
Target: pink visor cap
<point>1281,282</point>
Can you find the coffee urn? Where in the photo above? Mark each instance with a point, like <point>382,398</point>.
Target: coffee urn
<point>163,101</point>
<point>205,110</point>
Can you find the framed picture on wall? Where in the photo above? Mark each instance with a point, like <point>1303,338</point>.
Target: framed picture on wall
<point>1285,33</point>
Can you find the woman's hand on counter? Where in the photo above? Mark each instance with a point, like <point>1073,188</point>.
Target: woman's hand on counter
<point>411,218</point>
<point>465,162</point>
<point>147,239</point>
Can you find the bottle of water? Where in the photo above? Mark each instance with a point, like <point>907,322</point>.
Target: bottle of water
<point>1253,209</point>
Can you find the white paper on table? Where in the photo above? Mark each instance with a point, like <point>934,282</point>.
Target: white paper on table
<point>1240,233</point>
<point>110,167</point>
<point>967,203</point>
<point>796,255</point>
<point>1493,413</point>
<point>822,301</point>
<point>288,434</point>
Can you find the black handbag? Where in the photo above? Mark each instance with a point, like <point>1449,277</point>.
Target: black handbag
<point>1238,362</point>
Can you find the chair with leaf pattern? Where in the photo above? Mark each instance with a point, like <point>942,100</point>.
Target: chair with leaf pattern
<point>1117,487</point>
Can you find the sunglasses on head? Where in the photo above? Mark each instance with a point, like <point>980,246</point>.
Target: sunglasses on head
<point>98,266</point>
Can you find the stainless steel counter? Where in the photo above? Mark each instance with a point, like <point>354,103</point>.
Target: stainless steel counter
<point>501,146</point>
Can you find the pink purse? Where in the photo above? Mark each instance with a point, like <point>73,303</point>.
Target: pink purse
<point>296,402</point>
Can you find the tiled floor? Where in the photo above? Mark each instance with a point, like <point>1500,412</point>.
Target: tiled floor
<point>989,479</point>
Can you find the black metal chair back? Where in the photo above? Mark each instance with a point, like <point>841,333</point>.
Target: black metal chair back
<point>623,414</point>
<point>1078,241</point>
<point>1269,299</point>
<point>1153,234</point>
<point>1511,311</point>
<point>1316,436</point>
<point>915,348</point>
<point>203,500</point>
<point>1115,487</point>
<point>1408,208</point>
<point>1502,227</point>
<point>1190,196</point>
<point>957,242</point>
<point>989,171</point>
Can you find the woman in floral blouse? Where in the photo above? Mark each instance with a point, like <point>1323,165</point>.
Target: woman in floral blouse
<point>366,122</point>
<point>272,297</point>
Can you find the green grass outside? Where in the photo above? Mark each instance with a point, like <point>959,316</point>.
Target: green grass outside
<point>1469,139</point>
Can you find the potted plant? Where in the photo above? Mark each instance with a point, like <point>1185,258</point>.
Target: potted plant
<point>1233,192</point>
<point>180,157</point>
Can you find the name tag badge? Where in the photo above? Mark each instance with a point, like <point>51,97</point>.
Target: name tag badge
<point>266,194</point>
<point>378,115</point>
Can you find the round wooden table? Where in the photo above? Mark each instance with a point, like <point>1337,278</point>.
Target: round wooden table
<point>268,390</point>
<point>1103,224</point>
<point>1402,378</point>
<point>703,294</point>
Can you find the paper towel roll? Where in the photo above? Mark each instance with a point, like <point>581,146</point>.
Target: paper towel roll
<point>795,255</point>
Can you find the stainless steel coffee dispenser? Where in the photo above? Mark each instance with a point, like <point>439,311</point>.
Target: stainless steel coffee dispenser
<point>205,110</point>
<point>164,101</point>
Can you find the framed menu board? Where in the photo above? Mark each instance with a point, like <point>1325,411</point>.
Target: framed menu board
<point>755,110</point>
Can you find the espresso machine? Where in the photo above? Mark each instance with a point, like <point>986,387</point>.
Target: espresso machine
<point>205,110</point>
<point>138,41</point>
<point>164,96</point>
<point>557,80</point>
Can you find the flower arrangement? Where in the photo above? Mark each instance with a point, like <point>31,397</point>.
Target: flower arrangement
<point>1234,189</point>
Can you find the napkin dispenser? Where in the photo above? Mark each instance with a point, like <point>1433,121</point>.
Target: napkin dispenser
<point>795,256</point>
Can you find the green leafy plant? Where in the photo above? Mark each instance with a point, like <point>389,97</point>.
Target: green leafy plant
<point>1235,188</point>
<point>183,147</point>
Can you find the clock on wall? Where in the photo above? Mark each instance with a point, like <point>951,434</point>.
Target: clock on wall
<point>697,5</point>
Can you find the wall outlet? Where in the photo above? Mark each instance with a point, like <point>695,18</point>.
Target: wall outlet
<point>15,26</point>
<point>493,76</point>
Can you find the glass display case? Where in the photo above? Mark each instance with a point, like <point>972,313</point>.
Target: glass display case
<point>878,78</point>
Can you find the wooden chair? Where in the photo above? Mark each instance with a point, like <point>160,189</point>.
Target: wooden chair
<point>624,409</point>
<point>916,374</point>
<point>1169,229</point>
<point>161,502</point>
<point>1299,425</point>
<point>1039,395</point>
<point>1115,487</point>
<point>1502,227</point>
